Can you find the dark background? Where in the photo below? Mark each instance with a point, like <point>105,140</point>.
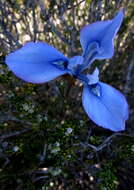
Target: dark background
<point>36,149</point>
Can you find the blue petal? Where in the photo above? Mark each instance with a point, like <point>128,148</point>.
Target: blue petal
<point>109,109</point>
<point>34,62</point>
<point>102,32</point>
<point>94,77</point>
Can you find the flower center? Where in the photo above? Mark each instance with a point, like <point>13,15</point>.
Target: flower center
<point>74,65</point>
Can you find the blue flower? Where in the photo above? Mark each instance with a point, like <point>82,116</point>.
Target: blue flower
<point>39,62</point>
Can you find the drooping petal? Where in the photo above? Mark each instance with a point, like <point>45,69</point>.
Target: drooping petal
<point>109,109</point>
<point>103,33</point>
<point>34,62</point>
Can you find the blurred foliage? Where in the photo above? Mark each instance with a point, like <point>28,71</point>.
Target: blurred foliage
<point>47,141</point>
